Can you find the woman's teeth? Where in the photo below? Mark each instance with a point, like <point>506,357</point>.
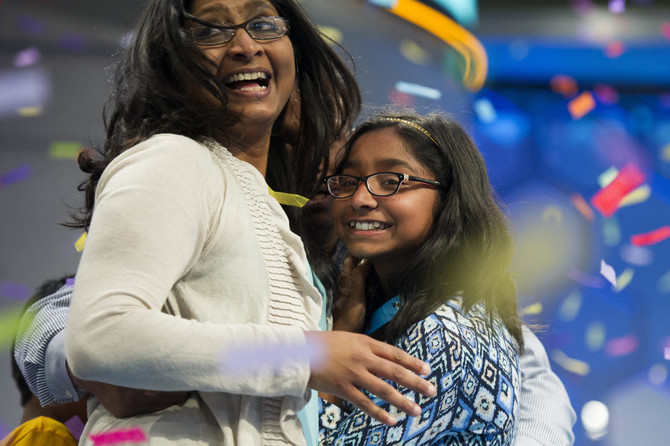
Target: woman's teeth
<point>367,226</point>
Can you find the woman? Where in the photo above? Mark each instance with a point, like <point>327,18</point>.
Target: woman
<point>190,263</point>
<point>412,198</point>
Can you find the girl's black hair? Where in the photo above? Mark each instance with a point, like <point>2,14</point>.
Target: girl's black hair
<point>150,96</point>
<point>469,248</point>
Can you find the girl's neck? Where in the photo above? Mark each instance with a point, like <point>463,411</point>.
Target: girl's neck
<point>389,287</point>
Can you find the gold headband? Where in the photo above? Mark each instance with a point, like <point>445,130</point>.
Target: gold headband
<point>416,126</point>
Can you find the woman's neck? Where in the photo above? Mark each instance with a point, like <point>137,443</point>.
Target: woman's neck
<point>250,147</point>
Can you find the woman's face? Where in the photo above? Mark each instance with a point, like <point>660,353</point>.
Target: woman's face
<point>385,230</point>
<point>258,75</point>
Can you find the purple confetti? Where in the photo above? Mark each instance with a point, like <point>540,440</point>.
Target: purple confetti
<point>73,42</point>
<point>586,280</point>
<point>31,25</point>
<point>617,6</point>
<point>29,56</point>
<point>14,290</point>
<point>16,175</point>
<point>75,426</point>
<point>70,281</point>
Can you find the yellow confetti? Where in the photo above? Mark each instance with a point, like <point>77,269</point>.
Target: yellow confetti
<point>533,309</point>
<point>288,199</point>
<point>414,53</point>
<point>605,178</point>
<point>595,336</point>
<point>665,153</point>
<point>81,241</point>
<point>9,320</point>
<point>29,112</point>
<point>332,33</point>
<point>663,284</point>
<point>575,366</point>
<point>624,279</point>
<point>64,149</point>
<point>639,195</point>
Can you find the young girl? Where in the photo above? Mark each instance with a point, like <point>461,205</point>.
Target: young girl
<point>413,198</point>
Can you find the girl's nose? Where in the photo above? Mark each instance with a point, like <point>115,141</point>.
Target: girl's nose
<point>362,198</point>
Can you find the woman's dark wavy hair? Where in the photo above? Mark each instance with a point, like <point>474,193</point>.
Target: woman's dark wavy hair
<point>469,248</point>
<point>150,97</point>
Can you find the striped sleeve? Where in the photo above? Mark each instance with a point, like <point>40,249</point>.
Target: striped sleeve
<point>545,414</point>
<point>41,323</point>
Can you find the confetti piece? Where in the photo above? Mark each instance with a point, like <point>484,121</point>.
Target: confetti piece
<point>81,241</point>
<point>69,282</point>
<point>624,279</point>
<point>133,435</point>
<point>533,309</point>
<point>639,195</point>
<point>570,307</point>
<point>485,111</point>
<point>15,291</point>
<point>402,99</point>
<point>605,178</point>
<point>611,232</point>
<point>636,255</point>
<point>75,426</point>
<point>9,319</point>
<point>418,90</point>
<point>29,56</point>
<point>571,365</point>
<point>622,346</point>
<point>607,272</point>
<point>585,279</point>
<point>614,49</point>
<point>606,94</point>
<point>564,85</point>
<point>582,206</point>
<point>651,238</point>
<point>667,353</point>
<point>663,284</point>
<point>607,200</point>
<point>29,112</point>
<point>595,335</point>
<point>331,32</point>
<point>581,105</point>
<point>617,6</point>
<point>64,149</point>
<point>16,175</point>
<point>31,25</point>
<point>665,153</point>
<point>73,42</point>
<point>413,52</point>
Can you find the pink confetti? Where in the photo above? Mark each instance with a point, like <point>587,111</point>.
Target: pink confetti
<point>614,50</point>
<point>581,105</point>
<point>607,200</point>
<point>582,206</point>
<point>651,238</point>
<point>133,435</point>
<point>563,84</point>
<point>622,346</point>
<point>667,353</point>
<point>665,30</point>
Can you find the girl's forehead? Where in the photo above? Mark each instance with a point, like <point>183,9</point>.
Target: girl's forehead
<point>231,6</point>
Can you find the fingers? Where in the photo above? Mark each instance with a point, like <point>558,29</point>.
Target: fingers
<point>398,368</point>
<point>364,403</point>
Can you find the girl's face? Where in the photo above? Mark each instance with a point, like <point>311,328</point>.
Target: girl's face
<point>385,230</point>
<point>258,75</point>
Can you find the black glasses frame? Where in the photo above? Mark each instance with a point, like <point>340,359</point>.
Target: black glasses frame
<point>232,28</point>
<point>401,178</point>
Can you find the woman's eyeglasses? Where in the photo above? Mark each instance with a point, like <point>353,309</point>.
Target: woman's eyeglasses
<point>262,28</point>
<point>381,184</point>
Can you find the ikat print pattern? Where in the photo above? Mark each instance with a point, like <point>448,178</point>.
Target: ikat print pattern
<point>474,366</point>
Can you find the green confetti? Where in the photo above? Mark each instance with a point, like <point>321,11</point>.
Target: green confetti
<point>9,320</point>
<point>64,149</point>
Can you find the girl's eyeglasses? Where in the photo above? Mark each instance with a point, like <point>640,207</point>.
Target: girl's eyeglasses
<point>381,184</point>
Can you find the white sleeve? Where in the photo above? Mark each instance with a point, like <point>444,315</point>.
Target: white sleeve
<point>545,414</point>
<point>149,226</point>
